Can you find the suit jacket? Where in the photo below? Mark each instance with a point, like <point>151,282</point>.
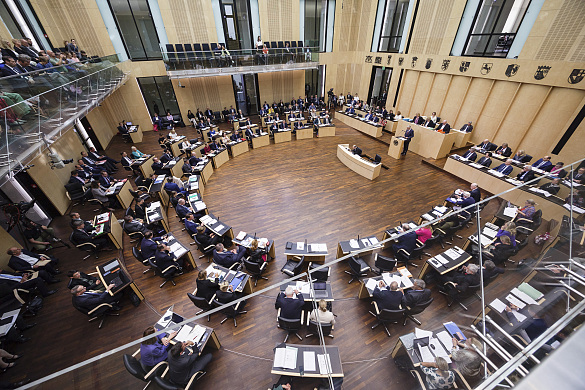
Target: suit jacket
<point>171,186</point>
<point>191,227</point>
<point>249,133</point>
<point>357,151</point>
<point>464,202</point>
<point>18,264</point>
<point>194,160</point>
<point>182,210</point>
<point>206,288</point>
<point>126,161</point>
<point>415,297</point>
<point>487,147</point>
<point>290,307</point>
<point>165,158</point>
<point>418,120</point>
<point>225,258</point>
<point>476,194</point>
<point>140,211</point>
<point>89,301</point>
<point>180,367</point>
<point>406,242</point>
<point>187,168</point>
<point>164,260</point>
<point>106,181</point>
<point>429,123</point>
<point>504,151</point>
<point>467,128</point>
<point>551,188</point>
<point>81,236</point>
<point>148,247</point>
<point>386,299</point>
<point>464,280</point>
<point>505,169</point>
<point>485,161</point>
<point>470,155</point>
<point>225,296</point>
<point>206,240</point>
<point>446,128</point>
<point>85,280</point>
<point>408,134</point>
<point>544,165</point>
<point>525,176</point>
<point>134,226</point>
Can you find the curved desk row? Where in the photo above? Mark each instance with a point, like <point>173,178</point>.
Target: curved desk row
<point>360,125</point>
<point>357,164</point>
<point>427,142</point>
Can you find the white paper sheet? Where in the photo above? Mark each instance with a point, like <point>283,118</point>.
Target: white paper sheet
<point>324,364</point>
<point>420,333</point>
<point>426,355</point>
<point>510,212</point>
<point>300,246</point>
<point>354,244</point>
<point>515,301</point>
<point>519,316</point>
<point>523,296</point>
<point>183,333</point>
<point>371,284</point>
<point>309,361</point>
<point>445,339</point>
<point>241,236</point>
<point>498,305</point>
<point>441,259</point>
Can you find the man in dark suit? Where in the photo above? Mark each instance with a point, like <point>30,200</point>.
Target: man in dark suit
<point>470,155</point>
<point>486,146</point>
<point>459,282</point>
<point>20,83</point>
<point>289,306</point>
<point>475,192</point>
<point>104,163</point>
<point>356,150</point>
<point>406,241</point>
<point>486,160</point>
<point>96,156</point>
<point>10,281</point>
<point>23,260</point>
<point>249,133</point>
<point>543,163</point>
<point>81,236</point>
<point>417,294</point>
<point>465,200</point>
<point>209,113</point>
<point>553,187</point>
<point>444,127</point>
<point>124,129</point>
<point>187,168</point>
<point>164,258</point>
<point>75,178</point>
<point>183,364</point>
<point>76,217</point>
<point>468,128</point>
<point>385,298</point>
<point>171,186</point>
<point>579,175</point>
<point>105,180</point>
<point>227,258</point>
<point>505,168</point>
<point>409,135</point>
<point>526,174</point>
<point>182,210</point>
<point>193,159</point>
<point>190,224</point>
<point>429,123</point>
<point>89,300</point>
<point>149,244</point>
<point>205,238</point>
<point>157,167</point>
<point>166,156</point>
<point>131,225</point>
<point>504,150</point>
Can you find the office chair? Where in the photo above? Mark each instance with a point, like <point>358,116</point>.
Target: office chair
<point>321,275</point>
<point>462,295</point>
<point>292,267</point>
<point>166,384</point>
<point>85,246</point>
<point>377,159</point>
<point>134,236</point>
<point>290,325</point>
<point>230,311</point>
<point>137,195</point>
<point>410,312</point>
<point>430,242</point>
<point>99,312</point>
<point>461,382</point>
<point>421,382</point>
<point>207,251</point>
<point>135,369</point>
<point>384,264</point>
<point>387,316</point>
<point>98,202</point>
<point>403,256</point>
<point>75,193</point>
<point>255,269</point>
<point>200,303</point>
<point>357,268</point>
<point>527,226</point>
<point>313,329</point>
<point>168,274</point>
<point>137,253</point>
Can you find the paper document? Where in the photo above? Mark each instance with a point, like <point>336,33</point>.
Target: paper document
<point>374,241</point>
<point>404,272</point>
<point>441,259</point>
<point>441,209</point>
<point>183,333</point>
<point>488,232</point>
<point>412,225</point>
<point>519,316</point>
<point>425,354</point>
<point>196,334</point>
<point>219,228</point>
<point>420,333</point>
<point>524,297</point>
<point>200,205</point>
<point>575,208</point>
<point>354,244</point>
<point>476,165</point>
<point>241,236</point>
<point>435,263</point>
<point>309,361</point>
<point>510,212</point>
<point>496,173</point>
<point>531,291</point>
<point>428,217</point>
<point>451,253</point>
<point>498,305</point>
<point>515,301</point>
<point>406,283</point>
<point>371,284</point>
<point>324,364</point>
<point>303,287</point>
<point>300,246</point>
<point>438,350</point>
<point>366,242</point>
<point>388,278</point>
<point>445,339</point>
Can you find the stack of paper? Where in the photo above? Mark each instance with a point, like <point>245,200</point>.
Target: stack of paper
<point>510,212</point>
<point>441,259</point>
<point>366,242</point>
<point>420,333</point>
<point>531,291</point>
<point>425,354</point>
<point>438,350</point>
<point>324,364</point>
<point>200,205</point>
<point>371,284</point>
<point>441,209</point>
<point>489,232</point>
<point>286,357</point>
<point>445,339</point>
<point>241,235</point>
<point>498,305</point>
<point>183,334</point>
<point>300,246</point>
<point>406,283</point>
<point>219,228</point>
<point>427,217</point>
<point>374,241</point>
<point>524,297</point>
<point>515,301</point>
<point>262,242</point>
<point>404,272</point>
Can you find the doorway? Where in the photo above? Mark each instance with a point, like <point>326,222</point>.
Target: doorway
<point>379,84</point>
<point>246,93</point>
<point>237,25</point>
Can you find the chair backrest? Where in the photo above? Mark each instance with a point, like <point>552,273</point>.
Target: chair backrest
<point>289,323</point>
<point>75,190</point>
<point>134,367</point>
<point>293,43</point>
<point>299,266</point>
<point>300,44</point>
<point>377,159</point>
<point>171,52</point>
<point>138,255</point>
<point>320,275</point>
<point>417,309</point>
<point>165,384</point>
<point>326,327</point>
<point>73,240</point>
<point>200,302</point>
<point>196,47</point>
<point>180,52</point>
<point>384,263</point>
<point>252,266</point>
<point>536,219</point>
<point>391,315</point>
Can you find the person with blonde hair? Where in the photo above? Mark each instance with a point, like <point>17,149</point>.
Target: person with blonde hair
<point>322,315</point>
<point>438,375</point>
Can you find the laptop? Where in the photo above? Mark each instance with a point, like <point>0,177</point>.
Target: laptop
<point>320,290</point>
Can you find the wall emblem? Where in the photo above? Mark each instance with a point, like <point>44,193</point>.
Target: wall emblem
<point>368,59</point>
<point>464,66</point>
<point>429,63</point>
<point>486,68</point>
<point>576,76</point>
<point>512,70</point>
<point>378,60</point>
<point>388,60</point>
<point>400,61</point>
<point>414,59</point>
<point>541,72</point>
<point>445,64</point>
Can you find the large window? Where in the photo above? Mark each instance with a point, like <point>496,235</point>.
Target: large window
<point>494,27</point>
<point>9,22</point>
<point>137,28</point>
<point>159,95</point>
<point>395,12</point>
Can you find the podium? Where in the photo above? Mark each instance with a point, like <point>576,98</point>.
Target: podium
<point>396,147</point>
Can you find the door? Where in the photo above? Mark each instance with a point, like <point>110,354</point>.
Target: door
<point>379,84</point>
<point>246,93</point>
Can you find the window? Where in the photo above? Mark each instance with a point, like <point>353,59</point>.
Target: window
<point>237,25</point>
<point>494,27</point>
<point>313,25</point>
<point>137,28</point>
<point>395,13</point>
<point>9,22</point>
<point>159,95</point>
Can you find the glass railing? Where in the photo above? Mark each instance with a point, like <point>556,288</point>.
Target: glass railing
<point>189,60</point>
<point>543,281</point>
<point>38,106</point>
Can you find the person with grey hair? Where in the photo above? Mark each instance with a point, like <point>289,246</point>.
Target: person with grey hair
<point>460,281</point>
<point>385,298</point>
<point>290,307</point>
<point>227,258</point>
<point>407,241</point>
<point>417,294</point>
<point>526,175</point>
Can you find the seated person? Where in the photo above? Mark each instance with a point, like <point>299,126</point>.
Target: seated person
<point>468,127</point>
<point>464,356</point>
<point>206,148</point>
<point>182,209</point>
<point>89,301</point>
<point>508,229</point>
<point>290,307</point>
<point>132,225</point>
<point>183,364</point>
<point>486,160</point>
<point>136,154</point>
<point>206,288</point>
<point>40,236</point>
<point>227,258</point>
<point>504,150</point>
<point>190,224</point>
<point>23,260</point>
<point>475,192</point>
<point>490,270</point>
<point>437,374</point>
<point>543,163</point>
<point>578,199</point>
<point>528,210</point>
<point>157,167</point>
<point>257,255</point>
<point>154,350</point>
<point>553,187</point>
<point>459,282</point>
<point>193,160</point>
<point>579,175</point>
<point>170,185</point>
<point>226,294</point>
<point>407,241</point>
<point>81,236</point>
<point>417,294</point>
<point>106,180</point>
<point>356,150</point>
<point>149,244</point>
<point>388,298</point>
<point>78,278</point>
<point>464,201</point>
<point>322,315</point>
<point>206,239</point>
<point>214,145</point>
<point>520,156</point>
<point>505,168</point>
<point>470,155</point>
<point>429,123</point>
<point>533,326</point>
<point>424,233</point>
<point>164,258</point>
<point>417,119</point>
<point>526,174</point>
<point>444,127</point>
<point>10,281</point>
<point>558,170</point>
<point>486,146</point>
<point>140,209</point>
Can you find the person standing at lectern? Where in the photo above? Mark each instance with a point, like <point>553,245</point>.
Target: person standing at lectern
<point>409,135</point>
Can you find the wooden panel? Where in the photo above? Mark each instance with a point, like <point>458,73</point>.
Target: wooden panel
<point>188,21</point>
<point>7,242</point>
<point>202,92</point>
<point>560,38</point>
<point>458,93</point>
<point>283,86</point>
<point>407,90</point>
<point>354,24</point>
<point>497,102</point>
<point>279,20</point>
<point>423,90</point>
<point>4,33</point>
<point>437,95</point>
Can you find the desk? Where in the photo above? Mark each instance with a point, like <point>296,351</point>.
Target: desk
<point>356,163</point>
<point>346,247</point>
<point>170,320</point>
<point>244,239</point>
<point>206,130</point>
<point>135,134</point>
<point>302,121</point>
<point>282,136</point>
<point>366,290</point>
<point>216,226</point>
<point>194,184</point>
<point>395,231</point>
<point>308,293</point>
<point>427,142</point>
<point>461,139</point>
<point>332,351</point>
<point>316,255</point>
<point>306,133</point>
<point>396,147</point>
<point>260,141</point>
<point>441,337</point>
<point>219,157</point>
<point>222,273</point>
<point>373,130</point>
<point>237,148</point>
<point>10,318</point>
<point>157,186</point>
<point>205,170</point>
<point>488,237</point>
<point>181,250</point>
<point>155,213</point>
<point>196,202</point>
<point>175,142</point>
<point>176,167</point>
<point>113,271</point>
<point>122,192</point>
<point>113,230</point>
<point>460,257</point>
<point>144,164</point>
<point>326,131</point>
<point>236,123</point>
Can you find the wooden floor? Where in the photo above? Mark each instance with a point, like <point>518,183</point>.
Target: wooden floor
<point>286,192</point>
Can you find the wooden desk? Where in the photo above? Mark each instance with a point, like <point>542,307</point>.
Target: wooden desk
<point>396,147</point>
<point>366,292</point>
<point>345,247</point>
<point>406,342</point>
<point>220,158</point>
<point>205,171</point>
<point>184,251</point>
<point>112,228</point>
<point>216,226</point>
<point>462,138</point>
<point>360,125</point>
<point>157,187</point>
<point>196,203</point>
<point>306,133</point>
<point>333,351</point>
<point>135,134</point>
<point>222,273</point>
<point>123,194</point>
<point>260,141</point>
<point>427,142</point>
<point>156,213</point>
<point>177,169</point>
<point>247,239</point>
<point>194,184</point>
<point>282,136</point>
<point>175,145</point>
<point>357,164</point>
<point>314,256</point>
<point>310,296</point>
<point>239,148</point>
<point>206,130</point>
<point>145,165</point>
<point>451,264</point>
<point>170,319</point>
<point>110,271</point>
<point>325,131</point>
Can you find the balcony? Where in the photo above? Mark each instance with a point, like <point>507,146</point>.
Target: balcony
<point>188,64</point>
<point>37,107</point>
